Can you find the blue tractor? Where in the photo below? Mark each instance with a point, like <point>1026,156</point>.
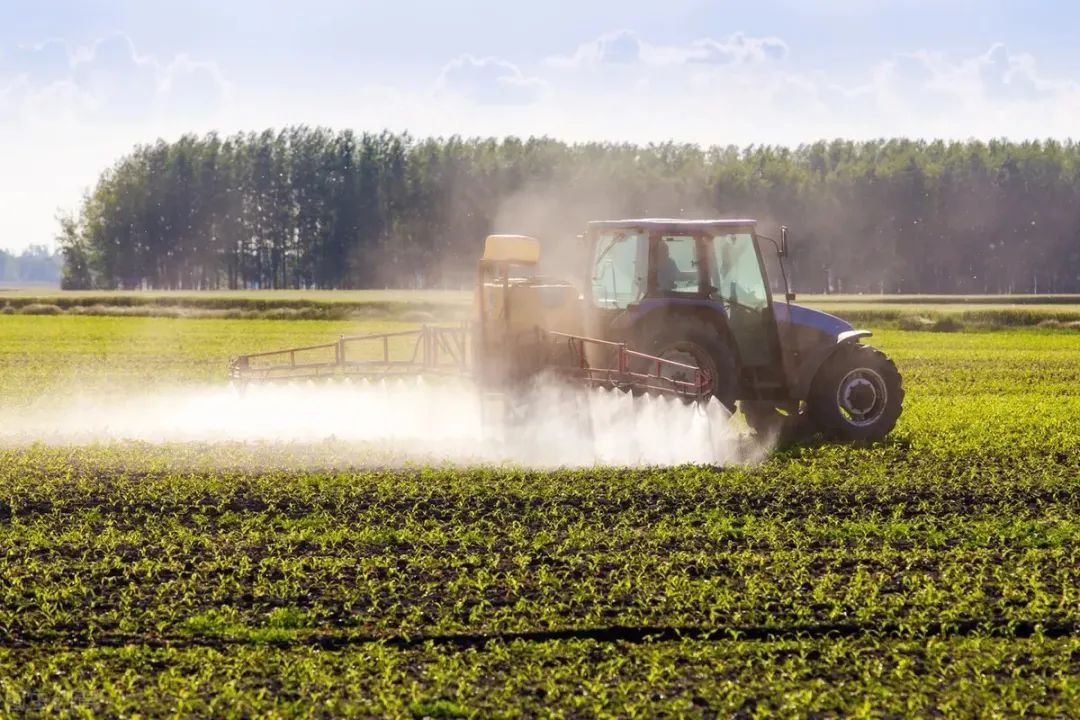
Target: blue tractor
<point>696,293</point>
<point>677,308</point>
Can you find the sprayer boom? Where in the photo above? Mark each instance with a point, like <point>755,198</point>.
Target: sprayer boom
<point>453,351</point>
<point>429,350</point>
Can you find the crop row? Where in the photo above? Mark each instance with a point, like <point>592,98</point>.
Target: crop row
<point>446,588</point>
<point>984,677</point>
<point>896,479</point>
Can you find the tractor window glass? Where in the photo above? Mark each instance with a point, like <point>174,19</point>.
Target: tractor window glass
<point>735,273</point>
<point>618,277</point>
<point>676,264</point>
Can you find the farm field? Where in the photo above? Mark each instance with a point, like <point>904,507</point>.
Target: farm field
<point>978,311</point>
<point>417,305</point>
<point>938,573</point>
<point>209,297</point>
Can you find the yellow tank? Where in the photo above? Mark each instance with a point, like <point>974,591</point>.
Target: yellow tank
<point>512,303</point>
<point>514,299</point>
<point>513,249</point>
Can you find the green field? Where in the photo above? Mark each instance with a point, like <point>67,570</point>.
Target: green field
<point>936,574</point>
<point>210,298</point>
<point>415,305</point>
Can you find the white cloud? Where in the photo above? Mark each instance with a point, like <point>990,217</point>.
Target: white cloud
<point>738,49</point>
<point>119,83</point>
<point>619,46</point>
<point>108,81</point>
<point>624,47</point>
<point>488,81</point>
<point>192,87</point>
<point>1015,77</point>
<point>737,90</point>
<point>996,93</point>
<point>742,80</point>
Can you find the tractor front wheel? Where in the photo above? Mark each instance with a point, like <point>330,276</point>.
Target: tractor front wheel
<point>857,395</point>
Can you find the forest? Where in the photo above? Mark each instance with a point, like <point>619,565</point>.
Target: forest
<point>317,208</point>
<point>35,265</point>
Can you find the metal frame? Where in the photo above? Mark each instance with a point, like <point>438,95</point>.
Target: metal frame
<point>440,350</point>
<point>435,350</point>
<point>632,370</point>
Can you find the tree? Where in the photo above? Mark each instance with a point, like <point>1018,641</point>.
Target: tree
<point>76,274</point>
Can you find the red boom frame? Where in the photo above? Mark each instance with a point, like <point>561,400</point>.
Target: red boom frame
<point>442,350</point>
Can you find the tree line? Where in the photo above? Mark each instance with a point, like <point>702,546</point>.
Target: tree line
<point>314,208</point>
<point>36,265</point>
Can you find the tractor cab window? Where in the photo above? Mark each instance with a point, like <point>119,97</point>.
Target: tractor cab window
<point>735,274</point>
<point>619,263</point>
<point>676,264</point>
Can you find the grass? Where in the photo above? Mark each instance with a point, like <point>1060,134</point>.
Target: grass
<point>71,354</point>
<point>274,297</point>
<point>934,574</point>
<point>949,313</point>
<point>977,300</point>
<point>409,305</point>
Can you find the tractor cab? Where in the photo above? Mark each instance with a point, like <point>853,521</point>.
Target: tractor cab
<point>647,274</point>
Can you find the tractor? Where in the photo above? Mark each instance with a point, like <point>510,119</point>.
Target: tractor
<point>681,308</point>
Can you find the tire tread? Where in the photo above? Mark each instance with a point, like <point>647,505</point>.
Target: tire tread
<point>824,414</point>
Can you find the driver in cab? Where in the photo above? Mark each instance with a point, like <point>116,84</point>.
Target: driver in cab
<point>668,274</point>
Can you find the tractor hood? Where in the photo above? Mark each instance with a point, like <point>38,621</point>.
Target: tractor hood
<point>802,316</point>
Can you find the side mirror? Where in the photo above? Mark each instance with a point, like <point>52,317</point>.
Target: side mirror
<point>783,241</point>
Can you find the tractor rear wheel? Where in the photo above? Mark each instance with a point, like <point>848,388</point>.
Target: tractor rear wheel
<point>857,395</point>
<point>693,342</point>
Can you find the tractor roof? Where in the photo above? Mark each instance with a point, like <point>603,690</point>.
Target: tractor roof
<point>673,225</point>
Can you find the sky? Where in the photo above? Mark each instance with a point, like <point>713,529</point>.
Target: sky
<point>83,81</point>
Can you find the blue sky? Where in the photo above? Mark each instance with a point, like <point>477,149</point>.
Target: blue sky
<point>83,81</point>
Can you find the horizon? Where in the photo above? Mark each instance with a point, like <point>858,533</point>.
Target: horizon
<point>81,87</point>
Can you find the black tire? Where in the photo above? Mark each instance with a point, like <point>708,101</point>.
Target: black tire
<point>690,339</point>
<point>856,396</point>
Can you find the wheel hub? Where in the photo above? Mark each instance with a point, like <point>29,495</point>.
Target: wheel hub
<point>862,396</point>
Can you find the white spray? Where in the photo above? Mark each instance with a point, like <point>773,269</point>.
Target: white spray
<point>414,419</point>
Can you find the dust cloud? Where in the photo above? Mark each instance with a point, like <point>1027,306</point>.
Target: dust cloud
<point>412,420</point>
<point>556,211</point>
